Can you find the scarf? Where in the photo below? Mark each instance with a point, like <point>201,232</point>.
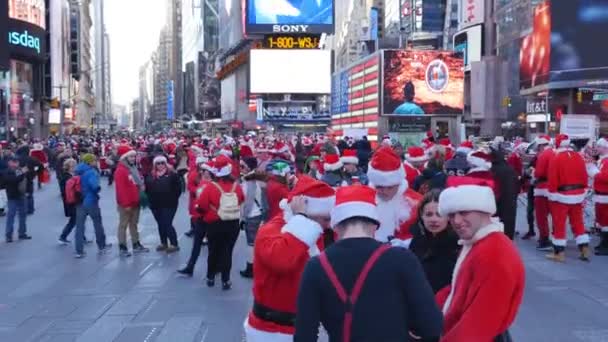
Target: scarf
<point>467,245</point>
<point>134,173</point>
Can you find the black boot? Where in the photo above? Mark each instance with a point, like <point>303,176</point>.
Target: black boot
<point>584,251</point>
<point>248,271</point>
<point>544,245</point>
<point>602,248</point>
<point>530,234</point>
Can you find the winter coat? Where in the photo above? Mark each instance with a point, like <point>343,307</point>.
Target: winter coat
<point>69,210</point>
<point>14,183</point>
<point>163,191</point>
<point>506,201</point>
<point>89,183</point>
<point>127,191</point>
<point>437,254</point>
<point>23,153</point>
<point>348,177</point>
<point>333,178</point>
<point>192,185</point>
<point>209,201</point>
<point>431,178</point>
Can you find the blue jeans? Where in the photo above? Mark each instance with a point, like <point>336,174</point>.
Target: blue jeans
<point>164,220</point>
<point>16,206</point>
<point>81,216</point>
<point>29,198</point>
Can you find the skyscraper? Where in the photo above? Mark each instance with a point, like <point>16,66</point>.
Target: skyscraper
<point>101,67</point>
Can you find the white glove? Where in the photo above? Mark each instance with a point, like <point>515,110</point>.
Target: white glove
<point>401,243</point>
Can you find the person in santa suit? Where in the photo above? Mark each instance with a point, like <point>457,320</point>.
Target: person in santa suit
<point>567,178</point>
<point>37,152</point>
<point>481,163</point>
<point>600,188</point>
<point>282,248</point>
<point>465,147</point>
<point>277,188</point>
<point>489,277</point>
<point>515,160</point>
<point>352,173</point>
<point>397,203</point>
<point>333,170</point>
<point>541,193</point>
<point>414,163</point>
<point>235,166</point>
<point>449,149</point>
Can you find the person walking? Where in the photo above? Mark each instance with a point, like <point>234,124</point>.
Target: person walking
<point>15,179</point>
<point>163,187</point>
<point>69,209</point>
<point>89,189</point>
<point>361,289</point>
<point>220,203</point>
<point>129,184</point>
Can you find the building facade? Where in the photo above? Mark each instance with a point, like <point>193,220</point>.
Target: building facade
<point>101,69</point>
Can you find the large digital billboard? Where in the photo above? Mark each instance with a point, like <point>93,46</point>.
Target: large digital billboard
<point>290,16</point>
<point>290,71</point>
<point>423,82</point>
<point>26,40</point>
<point>565,48</point>
<point>30,11</point>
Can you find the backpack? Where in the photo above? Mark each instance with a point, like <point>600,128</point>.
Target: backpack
<point>73,191</point>
<point>229,208</point>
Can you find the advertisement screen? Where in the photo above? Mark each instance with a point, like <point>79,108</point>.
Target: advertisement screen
<point>423,82</point>
<point>290,16</point>
<point>31,11</point>
<point>26,40</point>
<point>469,42</point>
<point>578,49</point>
<point>535,53</point>
<point>290,71</point>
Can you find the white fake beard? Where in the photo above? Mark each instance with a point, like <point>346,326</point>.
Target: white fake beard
<point>392,213</point>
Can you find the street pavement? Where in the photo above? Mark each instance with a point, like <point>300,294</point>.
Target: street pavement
<point>46,295</point>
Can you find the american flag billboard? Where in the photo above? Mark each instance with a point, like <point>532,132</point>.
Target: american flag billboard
<point>356,97</point>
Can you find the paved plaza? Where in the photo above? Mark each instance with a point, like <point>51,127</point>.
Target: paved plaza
<point>48,296</point>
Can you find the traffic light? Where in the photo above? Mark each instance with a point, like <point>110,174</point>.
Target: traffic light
<point>506,101</point>
<point>579,96</point>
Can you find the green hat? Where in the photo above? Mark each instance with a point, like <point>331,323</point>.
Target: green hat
<point>88,158</point>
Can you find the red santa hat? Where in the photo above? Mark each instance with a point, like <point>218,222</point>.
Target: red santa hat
<point>562,141</point>
<point>208,166</point>
<point>385,168</point>
<point>125,151</point>
<point>223,166</point>
<point>480,159</point>
<point>428,146</point>
<point>466,194</point>
<point>37,147</point>
<point>246,151</point>
<point>320,197</point>
<point>332,162</point>
<point>201,159</point>
<point>354,201</point>
<point>465,147</point>
<point>445,142</point>
<point>226,151</point>
<point>349,156</point>
<point>169,146</point>
<point>543,140</point>
<point>416,154</point>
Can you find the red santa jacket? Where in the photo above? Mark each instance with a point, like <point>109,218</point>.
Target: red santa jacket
<point>275,192</point>
<point>193,185</point>
<point>209,199</point>
<point>282,249</point>
<point>127,191</point>
<point>487,289</point>
<point>40,156</point>
<point>414,198</point>
<point>567,177</point>
<point>541,172</point>
<point>600,182</point>
<point>236,169</point>
<point>516,163</point>
<point>410,172</point>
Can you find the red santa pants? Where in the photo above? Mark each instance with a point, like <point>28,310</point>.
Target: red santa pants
<point>601,216</point>
<point>560,212</point>
<point>541,211</point>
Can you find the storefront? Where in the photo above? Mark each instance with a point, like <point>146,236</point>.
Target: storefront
<point>410,130</point>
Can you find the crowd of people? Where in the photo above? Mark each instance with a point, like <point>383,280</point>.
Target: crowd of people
<point>371,242</point>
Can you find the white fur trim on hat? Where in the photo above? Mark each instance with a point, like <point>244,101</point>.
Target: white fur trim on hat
<point>416,159</point>
<point>349,160</point>
<point>128,154</point>
<point>602,142</point>
<point>201,159</point>
<point>225,171</point>
<point>542,141</point>
<point>479,163</point>
<point>159,159</point>
<point>333,167</point>
<point>462,149</point>
<point>304,229</point>
<point>467,198</point>
<point>319,206</point>
<point>37,147</point>
<point>353,209</point>
<point>385,178</point>
<point>226,152</point>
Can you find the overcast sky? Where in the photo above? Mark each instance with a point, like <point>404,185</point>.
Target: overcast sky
<point>133,26</point>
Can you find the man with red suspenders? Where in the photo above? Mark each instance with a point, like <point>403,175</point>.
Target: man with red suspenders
<point>361,289</point>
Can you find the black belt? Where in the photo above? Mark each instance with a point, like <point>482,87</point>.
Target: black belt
<point>600,193</point>
<point>278,317</point>
<point>570,187</point>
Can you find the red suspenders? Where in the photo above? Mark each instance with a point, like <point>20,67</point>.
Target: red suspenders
<point>350,300</point>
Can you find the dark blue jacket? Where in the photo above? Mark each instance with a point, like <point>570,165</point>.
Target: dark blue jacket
<point>89,182</point>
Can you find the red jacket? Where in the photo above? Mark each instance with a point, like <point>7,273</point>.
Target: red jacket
<point>236,169</point>
<point>275,192</point>
<point>600,182</point>
<point>410,173</point>
<point>567,169</point>
<point>210,197</point>
<point>192,185</point>
<point>541,172</point>
<point>403,232</point>
<point>127,191</point>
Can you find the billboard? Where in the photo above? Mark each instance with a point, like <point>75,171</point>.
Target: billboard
<point>290,16</point>
<point>290,71</point>
<point>30,11</point>
<point>471,12</point>
<point>469,42</point>
<point>423,82</point>
<point>562,51</point>
<point>26,40</point>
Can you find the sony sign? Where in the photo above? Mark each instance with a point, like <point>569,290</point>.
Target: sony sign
<point>471,12</point>
<point>290,28</point>
<point>24,39</point>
